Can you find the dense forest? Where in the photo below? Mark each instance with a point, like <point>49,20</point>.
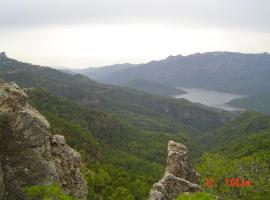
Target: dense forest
<point>258,102</point>
<point>122,135</point>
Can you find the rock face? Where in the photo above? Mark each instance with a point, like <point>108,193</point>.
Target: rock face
<point>29,154</point>
<point>3,55</point>
<point>179,176</point>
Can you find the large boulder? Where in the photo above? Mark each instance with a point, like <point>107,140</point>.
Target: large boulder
<point>29,153</point>
<point>179,176</point>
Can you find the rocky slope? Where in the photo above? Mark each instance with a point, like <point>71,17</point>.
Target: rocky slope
<point>179,176</point>
<point>29,153</point>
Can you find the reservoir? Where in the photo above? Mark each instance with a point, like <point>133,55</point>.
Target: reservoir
<point>210,98</point>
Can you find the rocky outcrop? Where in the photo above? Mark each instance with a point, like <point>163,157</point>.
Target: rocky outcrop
<point>67,162</point>
<point>3,55</point>
<point>29,153</point>
<point>179,176</point>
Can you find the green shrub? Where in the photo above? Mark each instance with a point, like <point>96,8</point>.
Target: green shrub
<point>42,192</point>
<point>196,196</point>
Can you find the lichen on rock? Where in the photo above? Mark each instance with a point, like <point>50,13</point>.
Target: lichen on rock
<point>179,176</point>
<point>29,153</point>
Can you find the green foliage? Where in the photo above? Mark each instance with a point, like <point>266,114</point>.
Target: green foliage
<point>258,102</point>
<point>115,183</point>
<point>196,196</point>
<point>111,126</point>
<point>121,193</point>
<point>240,149</point>
<point>248,123</point>
<point>42,192</point>
<point>139,154</point>
<point>254,168</point>
<point>246,146</point>
<point>122,135</point>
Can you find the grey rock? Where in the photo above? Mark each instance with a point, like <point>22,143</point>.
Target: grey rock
<point>179,176</point>
<point>29,153</point>
<point>67,162</point>
<point>3,55</point>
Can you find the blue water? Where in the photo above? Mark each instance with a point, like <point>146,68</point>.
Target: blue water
<point>210,98</point>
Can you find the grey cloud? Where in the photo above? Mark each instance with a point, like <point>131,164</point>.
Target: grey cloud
<point>232,14</point>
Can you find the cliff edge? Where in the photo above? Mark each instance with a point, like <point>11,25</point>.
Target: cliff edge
<point>29,153</point>
<point>179,176</point>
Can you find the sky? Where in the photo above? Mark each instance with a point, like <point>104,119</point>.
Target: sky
<point>94,33</point>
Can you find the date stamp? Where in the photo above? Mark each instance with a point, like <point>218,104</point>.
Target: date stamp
<point>228,182</point>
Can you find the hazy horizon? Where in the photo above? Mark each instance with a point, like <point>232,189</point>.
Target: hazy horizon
<point>112,64</point>
<point>98,33</point>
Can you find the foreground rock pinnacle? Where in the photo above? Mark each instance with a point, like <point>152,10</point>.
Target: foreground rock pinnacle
<point>179,176</point>
<point>29,153</point>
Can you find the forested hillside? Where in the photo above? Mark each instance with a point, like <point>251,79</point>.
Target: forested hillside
<point>131,105</point>
<point>114,157</point>
<point>238,152</point>
<point>122,134</point>
<point>259,102</point>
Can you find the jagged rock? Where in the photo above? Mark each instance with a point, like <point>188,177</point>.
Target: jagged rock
<point>3,55</point>
<point>67,162</point>
<point>179,176</point>
<point>29,154</point>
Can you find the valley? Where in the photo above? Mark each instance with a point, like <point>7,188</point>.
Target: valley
<point>122,133</point>
<point>228,72</point>
<point>134,100</point>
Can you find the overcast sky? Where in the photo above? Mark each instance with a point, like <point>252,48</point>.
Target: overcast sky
<point>86,33</point>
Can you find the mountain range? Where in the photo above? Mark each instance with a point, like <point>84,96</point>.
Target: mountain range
<point>225,71</point>
<point>238,73</point>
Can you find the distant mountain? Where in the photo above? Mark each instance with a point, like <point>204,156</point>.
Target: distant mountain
<point>101,72</point>
<point>153,88</point>
<point>224,71</point>
<point>69,71</point>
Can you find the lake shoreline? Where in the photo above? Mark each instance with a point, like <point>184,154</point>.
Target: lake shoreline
<point>210,98</point>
